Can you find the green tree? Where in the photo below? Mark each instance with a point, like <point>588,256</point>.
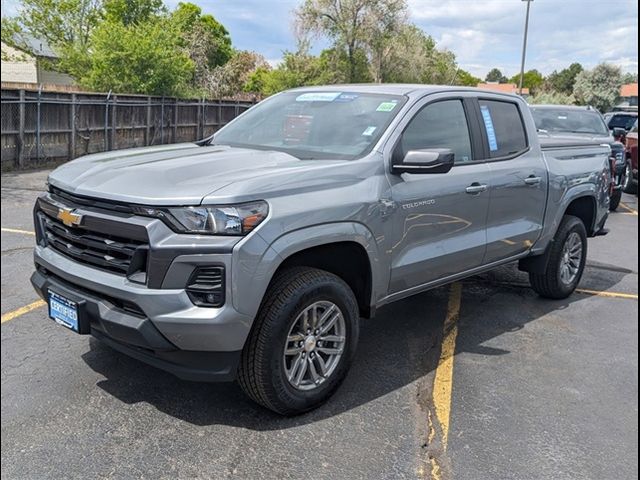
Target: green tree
<point>464,78</point>
<point>630,78</point>
<point>599,87</point>
<point>137,58</point>
<point>62,23</point>
<point>564,80</point>
<point>533,80</point>
<point>230,79</point>
<point>353,25</point>
<point>301,68</point>
<point>551,98</point>
<point>130,12</point>
<point>204,37</point>
<point>414,58</point>
<point>495,75</point>
<point>9,28</point>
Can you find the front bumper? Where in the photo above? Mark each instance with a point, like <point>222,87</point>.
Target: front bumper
<point>122,325</point>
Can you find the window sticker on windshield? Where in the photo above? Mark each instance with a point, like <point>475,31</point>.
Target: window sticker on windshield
<point>346,97</point>
<point>296,129</point>
<point>488,125</point>
<point>369,131</point>
<point>318,97</point>
<point>387,106</point>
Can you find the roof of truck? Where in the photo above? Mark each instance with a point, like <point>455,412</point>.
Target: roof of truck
<point>393,88</point>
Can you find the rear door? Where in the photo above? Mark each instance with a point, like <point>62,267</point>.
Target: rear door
<point>519,180</point>
<point>440,219</point>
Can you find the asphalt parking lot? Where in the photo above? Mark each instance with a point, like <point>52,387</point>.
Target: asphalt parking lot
<point>480,380</point>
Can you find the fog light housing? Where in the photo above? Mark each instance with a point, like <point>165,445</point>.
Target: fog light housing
<point>206,286</point>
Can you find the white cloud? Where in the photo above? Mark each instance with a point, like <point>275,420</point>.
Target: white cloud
<point>488,33</point>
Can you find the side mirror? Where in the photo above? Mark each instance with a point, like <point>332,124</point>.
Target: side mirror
<point>619,132</point>
<point>434,160</point>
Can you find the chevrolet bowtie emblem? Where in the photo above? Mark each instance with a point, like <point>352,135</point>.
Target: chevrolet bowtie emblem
<point>69,218</point>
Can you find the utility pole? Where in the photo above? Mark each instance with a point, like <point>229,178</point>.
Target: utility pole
<point>524,45</point>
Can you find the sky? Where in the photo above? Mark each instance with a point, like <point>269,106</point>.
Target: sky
<point>482,33</point>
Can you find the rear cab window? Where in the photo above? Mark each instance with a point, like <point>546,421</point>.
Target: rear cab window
<point>504,128</point>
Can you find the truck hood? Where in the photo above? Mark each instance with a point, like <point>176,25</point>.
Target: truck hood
<point>179,174</point>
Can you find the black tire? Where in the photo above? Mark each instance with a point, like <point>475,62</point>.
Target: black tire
<point>261,373</point>
<point>550,284</point>
<point>614,200</point>
<point>629,186</point>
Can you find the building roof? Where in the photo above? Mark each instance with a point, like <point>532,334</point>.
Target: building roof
<point>502,87</point>
<point>629,90</point>
<point>35,46</point>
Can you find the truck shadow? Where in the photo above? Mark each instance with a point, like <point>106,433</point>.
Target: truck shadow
<point>400,346</point>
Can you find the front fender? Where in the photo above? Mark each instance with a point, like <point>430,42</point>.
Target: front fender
<point>250,284</point>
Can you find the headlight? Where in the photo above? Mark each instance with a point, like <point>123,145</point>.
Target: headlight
<point>211,220</point>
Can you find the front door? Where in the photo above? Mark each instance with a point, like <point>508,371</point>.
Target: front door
<point>440,219</point>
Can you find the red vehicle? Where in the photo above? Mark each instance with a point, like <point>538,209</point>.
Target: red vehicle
<point>630,184</point>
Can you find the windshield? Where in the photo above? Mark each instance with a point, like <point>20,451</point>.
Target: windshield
<point>314,125</point>
<point>622,121</point>
<point>569,121</point>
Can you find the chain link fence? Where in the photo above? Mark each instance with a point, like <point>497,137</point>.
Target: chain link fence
<point>46,128</point>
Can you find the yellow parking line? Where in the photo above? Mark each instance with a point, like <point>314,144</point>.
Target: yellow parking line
<point>629,209</point>
<point>16,230</point>
<point>601,293</point>
<point>443,383</point>
<point>22,310</point>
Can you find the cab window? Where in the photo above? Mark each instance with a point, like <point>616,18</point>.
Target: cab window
<point>441,124</point>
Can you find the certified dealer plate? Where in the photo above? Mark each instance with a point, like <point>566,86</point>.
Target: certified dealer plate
<point>63,311</point>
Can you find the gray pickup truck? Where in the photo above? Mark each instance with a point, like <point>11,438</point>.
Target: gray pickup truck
<point>251,255</point>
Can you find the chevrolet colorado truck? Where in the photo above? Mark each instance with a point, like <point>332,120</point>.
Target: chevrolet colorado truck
<point>252,254</point>
<point>566,121</point>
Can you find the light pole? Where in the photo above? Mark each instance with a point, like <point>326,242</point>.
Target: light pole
<point>524,45</point>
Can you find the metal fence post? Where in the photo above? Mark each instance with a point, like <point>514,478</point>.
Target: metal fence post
<point>21,119</point>
<point>106,122</point>
<point>38,144</point>
<point>147,133</point>
<point>175,120</point>
<point>203,119</point>
<point>72,127</point>
<point>114,139</point>
<point>162,121</point>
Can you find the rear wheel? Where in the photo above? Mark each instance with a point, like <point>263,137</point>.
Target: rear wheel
<point>629,186</point>
<point>567,259</point>
<point>302,342</point>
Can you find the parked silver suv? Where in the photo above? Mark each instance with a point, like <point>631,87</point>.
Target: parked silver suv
<point>253,254</point>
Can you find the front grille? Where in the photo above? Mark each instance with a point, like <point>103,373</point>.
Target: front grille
<point>105,251</point>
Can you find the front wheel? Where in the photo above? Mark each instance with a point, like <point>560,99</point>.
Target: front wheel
<point>302,342</point>
<point>567,260</point>
<point>614,200</point>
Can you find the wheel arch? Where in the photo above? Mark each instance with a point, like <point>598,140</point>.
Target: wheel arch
<point>582,206</point>
<point>346,249</point>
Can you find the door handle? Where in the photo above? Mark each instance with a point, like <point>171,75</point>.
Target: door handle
<point>532,180</point>
<point>476,188</point>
